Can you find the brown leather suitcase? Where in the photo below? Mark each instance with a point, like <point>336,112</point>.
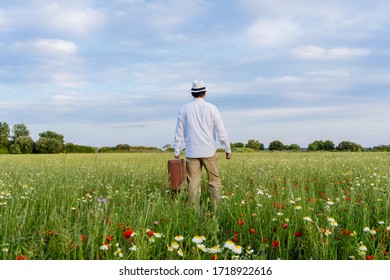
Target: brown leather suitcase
<point>176,173</point>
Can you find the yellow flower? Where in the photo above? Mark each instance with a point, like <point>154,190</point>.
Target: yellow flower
<point>180,252</point>
<point>179,238</point>
<point>175,245</point>
<point>198,239</point>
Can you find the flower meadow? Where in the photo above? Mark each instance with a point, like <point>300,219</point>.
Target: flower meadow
<point>287,206</point>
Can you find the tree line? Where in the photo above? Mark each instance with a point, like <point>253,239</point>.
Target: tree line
<point>18,141</point>
<point>317,145</point>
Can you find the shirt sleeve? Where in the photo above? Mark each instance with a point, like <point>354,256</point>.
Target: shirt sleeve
<point>221,132</point>
<point>179,135</point>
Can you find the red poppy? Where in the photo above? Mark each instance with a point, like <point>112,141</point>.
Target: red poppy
<point>276,205</point>
<point>240,222</point>
<point>347,198</point>
<point>109,238</point>
<point>150,232</point>
<point>369,257</point>
<point>83,237</point>
<point>127,233</point>
<point>346,232</point>
<point>265,239</point>
<point>275,229</point>
<point>21,257</point>
<point>282,206</point>
<point>298,234</point>
<point>252,230</point>
<point>284,226</point>
<point>275,243</point>
<point>155,223</point>
<point>214,257</point>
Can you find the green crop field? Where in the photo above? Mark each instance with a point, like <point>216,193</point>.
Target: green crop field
<point>322,206</point>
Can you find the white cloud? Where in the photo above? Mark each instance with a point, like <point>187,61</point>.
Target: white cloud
<point>270,33</point>
<point>47,46</point>
<point>53,17</point>
<point>314,52</point>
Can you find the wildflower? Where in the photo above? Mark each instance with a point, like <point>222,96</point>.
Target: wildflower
<point>284,226</point>
<point>170,248</point>
<point>149,232</point>
<point>22,257</point>
<point>329,202</point>
<point>327,232</point>
<point>175,245</point>
<point>102,200</point>
<point>104,247</point>
<point>307,219</point>
<point>366,229</point>
<point>215,249</point>
<point>180,252</point>
<point>369,257</point>
<point>388,228</point>
<point>237,249</point>
<point>179,238</point>
<point>292,201</point>
<point>152,239</point>
<point>298,207</point>
<point>127,233</point>
<point>279,214</point>
<point>381,222</point>
<point>201,247</point>
<point>334,224</point>
<point>5,250</point>
<point>373,231</point>
<point>118,253</point>
<point>265,239</point>
<point>252,230</point>
<point>362,247</point>
<point>346,232</point>
<point>298,234</point>
<point>133,248</point>
<point>198,239</point>
<point>275,244</point>
<point>157,235</point>
<point>155,223</point>
<point>240,222</point>
<point>229,244</point>
<point>109,238</point>
<point>249,250</point>
<point>214,257</point>
<point>83,237</point>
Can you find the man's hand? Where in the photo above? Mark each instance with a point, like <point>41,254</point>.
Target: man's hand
<point>228,155</point>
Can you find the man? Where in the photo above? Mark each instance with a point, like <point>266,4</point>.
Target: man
<point>199,126</point>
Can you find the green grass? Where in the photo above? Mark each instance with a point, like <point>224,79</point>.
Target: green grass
<point>68,206</point>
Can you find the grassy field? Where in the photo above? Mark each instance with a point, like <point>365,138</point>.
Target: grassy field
<point>322,206</point>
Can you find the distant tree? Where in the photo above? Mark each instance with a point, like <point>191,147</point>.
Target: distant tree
<point>22,145</point>
<point>50,143</point>
<point>4,137</point>
<point>73,148</point>
<point>276,146</point>
<point>320,145</point>
<point>329,145</point>
<point>19,130</point>
<point>294,147</point>
<point>349,146</point>
<point>254,144</point>
<point>382,148</point>
<point>238,145</point>
<point>21,140</point>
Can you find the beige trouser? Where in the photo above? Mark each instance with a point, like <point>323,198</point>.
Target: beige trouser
<point>194,175</point>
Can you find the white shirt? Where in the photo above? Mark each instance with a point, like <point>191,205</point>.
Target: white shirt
<point>199,125</point>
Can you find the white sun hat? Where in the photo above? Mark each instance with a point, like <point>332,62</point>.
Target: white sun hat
<point>198,86</point>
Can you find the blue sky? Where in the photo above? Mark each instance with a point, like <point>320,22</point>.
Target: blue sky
<point>108,72</point>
